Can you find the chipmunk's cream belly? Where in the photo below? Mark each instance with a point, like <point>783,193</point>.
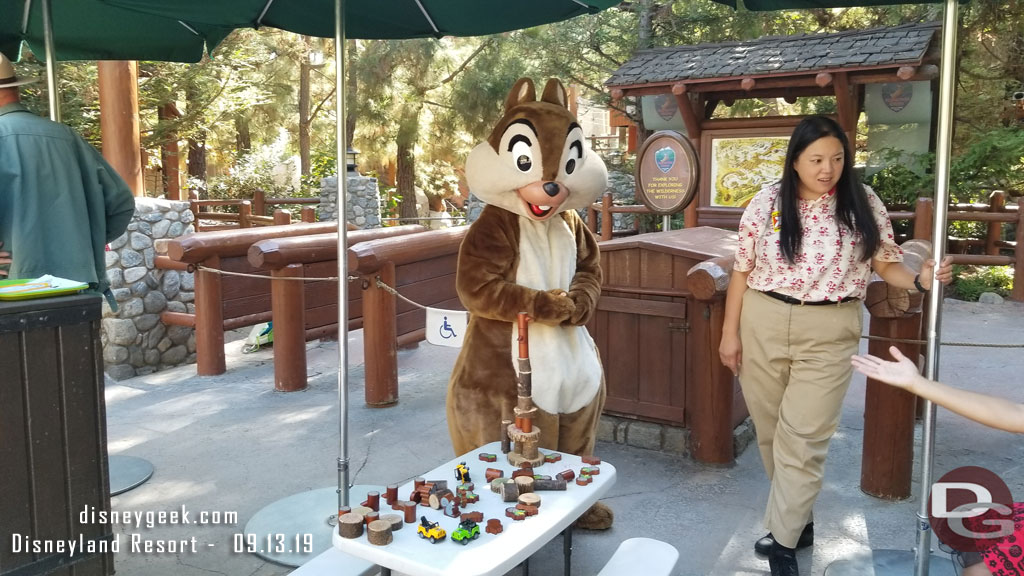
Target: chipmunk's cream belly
<point>563,359</point>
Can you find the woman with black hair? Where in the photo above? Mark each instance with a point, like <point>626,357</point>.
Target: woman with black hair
<point>806,248</point>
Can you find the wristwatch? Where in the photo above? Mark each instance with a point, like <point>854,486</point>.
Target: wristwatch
<point>917,284</point>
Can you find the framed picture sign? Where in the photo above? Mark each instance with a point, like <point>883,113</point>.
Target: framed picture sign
<point>666,172</point>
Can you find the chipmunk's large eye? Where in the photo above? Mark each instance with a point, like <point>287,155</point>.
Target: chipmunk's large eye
<point>575,155</point>
<point>521,152</point>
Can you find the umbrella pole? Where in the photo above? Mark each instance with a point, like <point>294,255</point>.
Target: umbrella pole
<point>52,90</point>
<point>943,149</point>
<point>342,146</point>
<point>898,562</point>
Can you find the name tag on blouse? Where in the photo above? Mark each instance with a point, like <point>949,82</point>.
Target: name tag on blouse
<point>776,221</point>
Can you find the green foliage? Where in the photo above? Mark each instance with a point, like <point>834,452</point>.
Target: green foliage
<point>321,165</point>
<point>971,281</point>
<point>904,178</point>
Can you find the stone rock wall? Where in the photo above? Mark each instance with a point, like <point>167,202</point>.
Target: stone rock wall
<point>363,205</point>
<point>135,341</point>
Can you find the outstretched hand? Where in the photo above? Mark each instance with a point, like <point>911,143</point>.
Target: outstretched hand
<point>944,273</point>
<point>902,373</point>
<point>5,260</point>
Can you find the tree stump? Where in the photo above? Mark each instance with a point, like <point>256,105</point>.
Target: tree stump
<point>350,525</point>
<point>379,533</point>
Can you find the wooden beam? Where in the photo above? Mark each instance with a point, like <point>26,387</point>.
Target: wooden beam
<point>926,72</point>
<point>119,120</point>
<point>823,79</point>
<point>906,72</point>
<point>845,105</point>
<point>690,118</point>
<point>747,84</point>
<point>679,88</point>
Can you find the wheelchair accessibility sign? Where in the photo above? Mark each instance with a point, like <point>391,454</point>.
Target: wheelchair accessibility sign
<point>446,327</point>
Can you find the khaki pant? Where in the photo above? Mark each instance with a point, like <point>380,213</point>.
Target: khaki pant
<point>794,374</point>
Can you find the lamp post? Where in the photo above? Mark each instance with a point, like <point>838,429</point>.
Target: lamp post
<point>350,160</point>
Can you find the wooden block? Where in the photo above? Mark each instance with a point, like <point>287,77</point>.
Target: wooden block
<point>491,473</point>
<point>583,480</point>
<point>590,471</point>
<point>409,511</point>
<point>467,487</point>
<point>373,501</point>
<point>515,513</point>
<point>496,484</point>
<point>530,510</point>
<point>556,484</point>
<point>523,472</point>
<point>362,510</point>
<point>438,499</point>
<point>531,499</point>
<point>591,460</point>
<point>379,533</point>
<point>476,516</point>
<point>350,525</point>
<point>494,526</point>
<point>344,510</point>
<point>566,475</point>
<point>509,491</point>
<point>394,520</point>
<point>485,457</point>
<point>552,458</point>
<point>524,484</point>
<point>391,495</point>
<point>371,517</point>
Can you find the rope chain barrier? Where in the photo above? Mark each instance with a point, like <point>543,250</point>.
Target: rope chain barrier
<point>383,286</point>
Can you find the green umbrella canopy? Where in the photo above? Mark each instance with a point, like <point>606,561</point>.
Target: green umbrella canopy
<point>94,30</point>
<point>376,19</point>
<point>765,5</point>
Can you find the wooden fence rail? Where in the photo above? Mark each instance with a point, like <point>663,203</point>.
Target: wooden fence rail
<point>995,214</point>
<point>250,213</point>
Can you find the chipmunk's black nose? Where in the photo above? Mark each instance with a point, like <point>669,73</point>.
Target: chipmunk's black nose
<point>551,189</point>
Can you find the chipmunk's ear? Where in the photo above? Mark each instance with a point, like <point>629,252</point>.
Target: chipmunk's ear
<point>554,92</point>
<point>522,92</point>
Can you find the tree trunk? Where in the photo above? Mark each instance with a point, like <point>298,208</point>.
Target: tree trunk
<point>243,137</point>
<point>351,92</point>
<point>197,143</point>
<point>304,118</point>
<point>645,26</point>
<point>169,155</point>
<point>408,133</point>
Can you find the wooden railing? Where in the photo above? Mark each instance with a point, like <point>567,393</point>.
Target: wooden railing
<point>250,213</point>
<point>995,214</point>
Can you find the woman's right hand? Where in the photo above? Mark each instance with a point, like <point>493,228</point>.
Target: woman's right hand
<point>730,351</point>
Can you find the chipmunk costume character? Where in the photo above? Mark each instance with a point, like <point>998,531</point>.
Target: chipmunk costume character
<point>529,251</point>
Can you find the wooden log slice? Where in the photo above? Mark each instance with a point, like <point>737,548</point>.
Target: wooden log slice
<point>350,525</point>
<point>395,520</point>
<point>379,533</point>
<point>531,499</point>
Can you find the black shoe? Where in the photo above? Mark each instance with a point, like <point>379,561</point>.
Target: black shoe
<point>782,561</point>
<point>764,545</point>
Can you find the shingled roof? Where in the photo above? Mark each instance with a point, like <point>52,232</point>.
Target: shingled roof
<point>906,45</point>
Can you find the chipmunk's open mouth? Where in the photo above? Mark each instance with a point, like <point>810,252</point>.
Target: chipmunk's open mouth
<point>539,211</point>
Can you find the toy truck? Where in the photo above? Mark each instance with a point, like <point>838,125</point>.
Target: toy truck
<point>430,530</point>
<point>467,530</point>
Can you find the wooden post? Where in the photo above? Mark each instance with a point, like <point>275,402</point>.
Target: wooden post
<point>996,203</point>
<point>288,302</point>
<point>889,412</point>
<point>259,203</point>
<point>712,402</point>
<point>209,320</point>
<point>379,339</point>
<point>308,214</point>
<point>193,196</point>
<point>244,213</point>
<point>923,219</point>
<point>606,217</point>
<point>282,217</point>
<point>1017,293</point>
<point>119,120</point>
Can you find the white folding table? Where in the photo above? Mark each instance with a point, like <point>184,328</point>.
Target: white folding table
<point>489,554</point>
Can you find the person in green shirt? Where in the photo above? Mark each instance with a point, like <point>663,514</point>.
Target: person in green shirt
<point>60,202</point>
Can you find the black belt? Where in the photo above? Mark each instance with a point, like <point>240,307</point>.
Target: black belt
<point>791,300</point>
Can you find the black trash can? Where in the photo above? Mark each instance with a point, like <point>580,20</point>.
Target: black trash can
<point>53,439</point>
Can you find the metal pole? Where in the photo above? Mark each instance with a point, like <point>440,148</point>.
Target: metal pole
<point>342,147</point>
<point>666,223</point>
<point>943,149</point>
<point>53,91</point>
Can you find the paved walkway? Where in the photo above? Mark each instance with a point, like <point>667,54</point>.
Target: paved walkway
<point>232,444</point>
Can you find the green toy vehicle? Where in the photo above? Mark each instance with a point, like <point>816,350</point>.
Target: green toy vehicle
<point>467,530</point>
<point>430,530</point>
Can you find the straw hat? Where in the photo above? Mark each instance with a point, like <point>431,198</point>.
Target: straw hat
<point>7,77</point>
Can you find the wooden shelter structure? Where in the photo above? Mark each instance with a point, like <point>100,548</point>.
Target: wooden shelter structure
<point>702,77</point>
